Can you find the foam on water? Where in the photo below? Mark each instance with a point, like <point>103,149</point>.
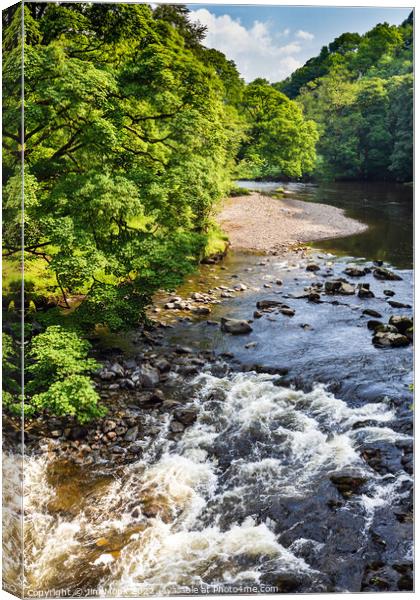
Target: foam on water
<point>255,441</point>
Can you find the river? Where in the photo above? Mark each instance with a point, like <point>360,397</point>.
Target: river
<point>296,475</point>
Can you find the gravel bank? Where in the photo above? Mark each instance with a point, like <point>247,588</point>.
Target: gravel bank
<point>258,222</point>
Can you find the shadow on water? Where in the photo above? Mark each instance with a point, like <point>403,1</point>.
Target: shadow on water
<point>386,207</point>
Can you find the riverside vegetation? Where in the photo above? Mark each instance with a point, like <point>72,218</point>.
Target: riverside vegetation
<point>180,408</point>
<point>133,132</point>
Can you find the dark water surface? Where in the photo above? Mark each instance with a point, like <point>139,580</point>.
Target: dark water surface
<point>386,207</point>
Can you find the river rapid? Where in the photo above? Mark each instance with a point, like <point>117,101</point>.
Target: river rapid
<point>296,475</point>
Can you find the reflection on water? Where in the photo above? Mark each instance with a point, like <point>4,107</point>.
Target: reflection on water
<point>386,207</point>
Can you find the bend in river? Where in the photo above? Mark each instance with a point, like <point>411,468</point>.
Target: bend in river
<point>280,459</point>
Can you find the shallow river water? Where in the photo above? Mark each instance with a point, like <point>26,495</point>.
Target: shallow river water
<point>253,495</point>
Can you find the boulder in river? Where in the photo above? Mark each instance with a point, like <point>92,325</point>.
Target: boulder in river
<point>355,271</point>
<point>389,293</point>
<point>287,311</point>
<point>347,483</point>
<point>386,339</point>
<point>364,291</point>
<point>403,323</point>
<point>235,326</point>
<point>339,286</point>
<point>386,274</point>
<point>396,304</point>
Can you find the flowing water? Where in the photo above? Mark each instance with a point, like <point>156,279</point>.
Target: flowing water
<point>249,499</point>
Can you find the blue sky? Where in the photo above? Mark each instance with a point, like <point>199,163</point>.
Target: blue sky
<point>272,41</point>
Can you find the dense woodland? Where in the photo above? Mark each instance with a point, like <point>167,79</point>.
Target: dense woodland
<point>359,91</point>
<point>133,132</point>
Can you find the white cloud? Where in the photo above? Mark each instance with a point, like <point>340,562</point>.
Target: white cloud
<point>254,50</point>
<point>304,35</point>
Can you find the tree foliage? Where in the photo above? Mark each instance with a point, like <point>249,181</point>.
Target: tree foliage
<point>359,91</point>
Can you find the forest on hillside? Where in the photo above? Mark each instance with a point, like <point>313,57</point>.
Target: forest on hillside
<point>133,133</point>
<point>359,91</point>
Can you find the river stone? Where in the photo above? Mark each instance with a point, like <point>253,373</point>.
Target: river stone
<point>235,326</point>
<point>106,375</point>
<point>347,483</point>
<point>264,304</point>
<point>131,434</point>
<point>312,267</point>
<point>402,323</point>
<point>389,293</point>
<point>186,416</point>
<point>372,313</point>
<point>385,339</point>
<point>257,314</point>
<point>288,312</point>
<point>386,274</point>
<point>396,304</point>
<point>108,425</point>
<point>149,377</point>
<point>176,427</point>
<point>163,365</point>
<point>117,369</point>
<point>364,291</point>
<point>354,271</point>
<point>339,286</point>
<point>202,310</point>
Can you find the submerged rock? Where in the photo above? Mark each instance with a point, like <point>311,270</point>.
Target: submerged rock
<point>235,326</point>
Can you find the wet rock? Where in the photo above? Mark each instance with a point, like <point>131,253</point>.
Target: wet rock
<point>265,304</point>
<point>364,291</point>
<point>183,350</point>
<point>176,427</point>
<point>386,339</point>
<point>186,416</point>
<point>288,312</point>
<point>339,286</point>
<point>314,297</point>
<point>202,310</point>
<point>257,314</point>
<point>389,293</point>
<point>163,365</point>
<point>240,287</point>
<point>106,375</point>
<point>386,274</point>
<point>372,313</point>
<point>188,370</point>
<point>403,323</point>
<point>131,434</point>
<point>347,483</point>
<point>149,377</point>
<point>312,267</point>
<point>396,304</point>
<point>235,326</point>
<point>279,282</point>
<point>354,271</point>
<point>117,369</point>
